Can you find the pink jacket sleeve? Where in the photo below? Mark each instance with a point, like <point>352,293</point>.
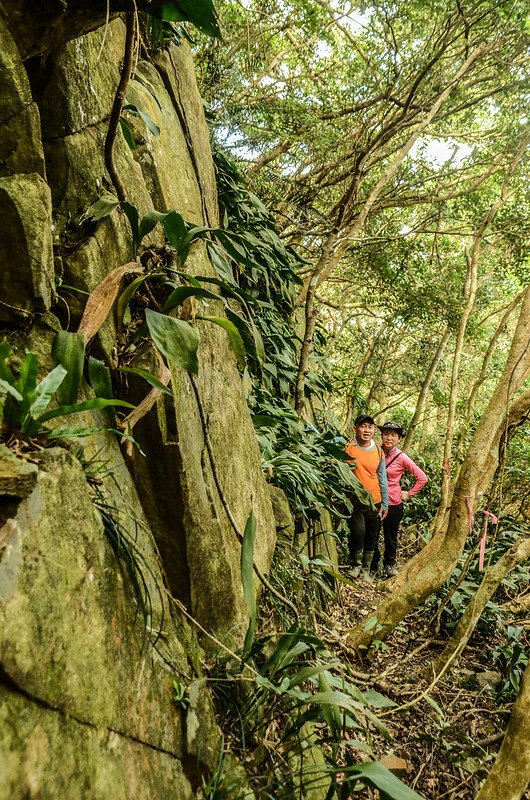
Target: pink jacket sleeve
<point>421,477</point>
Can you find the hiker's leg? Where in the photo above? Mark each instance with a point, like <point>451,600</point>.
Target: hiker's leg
<point>391,528</point>
<point>373,526</point>
<point>356,532</point>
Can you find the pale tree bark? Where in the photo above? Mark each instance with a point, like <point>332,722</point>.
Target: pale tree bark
<point>470,293</point>
<point>510,774</point>
<point>473,255</point>
<point>432,566</point>
<point>340,238</point>
<point>501,327</point>
<point>426,385</point>
<point>494,575</point>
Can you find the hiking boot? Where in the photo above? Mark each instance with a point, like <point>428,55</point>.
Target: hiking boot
<point>356,564</point>
<point>390,571</point>
<point>367,560</point>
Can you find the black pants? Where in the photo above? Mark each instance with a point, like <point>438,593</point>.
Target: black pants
<point>364,526</point>
<point>391,525</point>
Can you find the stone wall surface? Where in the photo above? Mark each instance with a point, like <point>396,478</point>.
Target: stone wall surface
<point>83,683</point>
<point>26,255</point>
<point>86,701</point>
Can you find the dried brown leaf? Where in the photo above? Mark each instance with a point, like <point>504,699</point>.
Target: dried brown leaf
<point>103,298</point>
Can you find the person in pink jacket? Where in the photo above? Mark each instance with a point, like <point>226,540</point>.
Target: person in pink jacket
<point>397,463</point>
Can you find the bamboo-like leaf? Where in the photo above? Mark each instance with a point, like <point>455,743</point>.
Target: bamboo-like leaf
<point>147,376</point>
<point>378,776</point>
<point>94,404</point>
<point>175,338</point>
<point>69,351</point>
<point>247,577</point>
<point>102,299</point>
<point>234,337</point>
<point>250,335</point>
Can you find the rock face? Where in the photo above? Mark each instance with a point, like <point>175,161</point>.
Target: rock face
<point>26,255</point>
<point>86,695</point>
<point>86,701</point>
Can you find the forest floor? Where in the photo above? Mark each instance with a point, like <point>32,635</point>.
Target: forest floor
<point>443,734</point>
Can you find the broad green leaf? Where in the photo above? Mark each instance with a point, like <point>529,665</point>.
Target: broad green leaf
<point>147,376</point>
<point>147,119</point>
<point>175,338</point>
<point>221,262</point>
<point>127,134</point>
<point>234,291</point>
<point>200,13</point>
<point>131,212</point>
<point>149,221</point>
<point>180,294</point>
<point>6,388</point>
<point>378,776</point>
<point>69,351</point>
<point>99,378</point>
<point>45,390</point>
<point>191,235</point>
<point>27,380</point>
<point>127,295</point>
<point>247,577</point>
<point>234,336</point>
<point>175,229</point>
<point>101,208</point>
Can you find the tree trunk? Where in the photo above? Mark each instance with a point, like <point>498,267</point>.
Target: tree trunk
<point>422,397</point>
<point>470,290</point>
<point>493,576</point>
<point>431,567</point>
<point>510,773</point>
<point>486,360</point>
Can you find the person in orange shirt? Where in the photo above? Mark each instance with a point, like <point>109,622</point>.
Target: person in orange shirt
<point>365,522</point>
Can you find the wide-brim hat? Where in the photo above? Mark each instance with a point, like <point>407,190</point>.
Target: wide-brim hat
<point>393,426</point>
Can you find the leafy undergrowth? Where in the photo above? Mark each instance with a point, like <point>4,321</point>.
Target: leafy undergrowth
<point>444,734</point>
<point>438,737</point>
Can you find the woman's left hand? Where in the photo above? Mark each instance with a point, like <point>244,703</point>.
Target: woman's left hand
<point>404,496</point>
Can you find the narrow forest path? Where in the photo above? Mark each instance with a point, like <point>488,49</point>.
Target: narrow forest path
<point>442,735</point>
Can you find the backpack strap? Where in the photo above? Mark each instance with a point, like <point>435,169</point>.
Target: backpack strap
<point>391,462</point>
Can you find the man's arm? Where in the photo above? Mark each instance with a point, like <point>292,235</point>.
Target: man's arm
<point>383,485</point>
